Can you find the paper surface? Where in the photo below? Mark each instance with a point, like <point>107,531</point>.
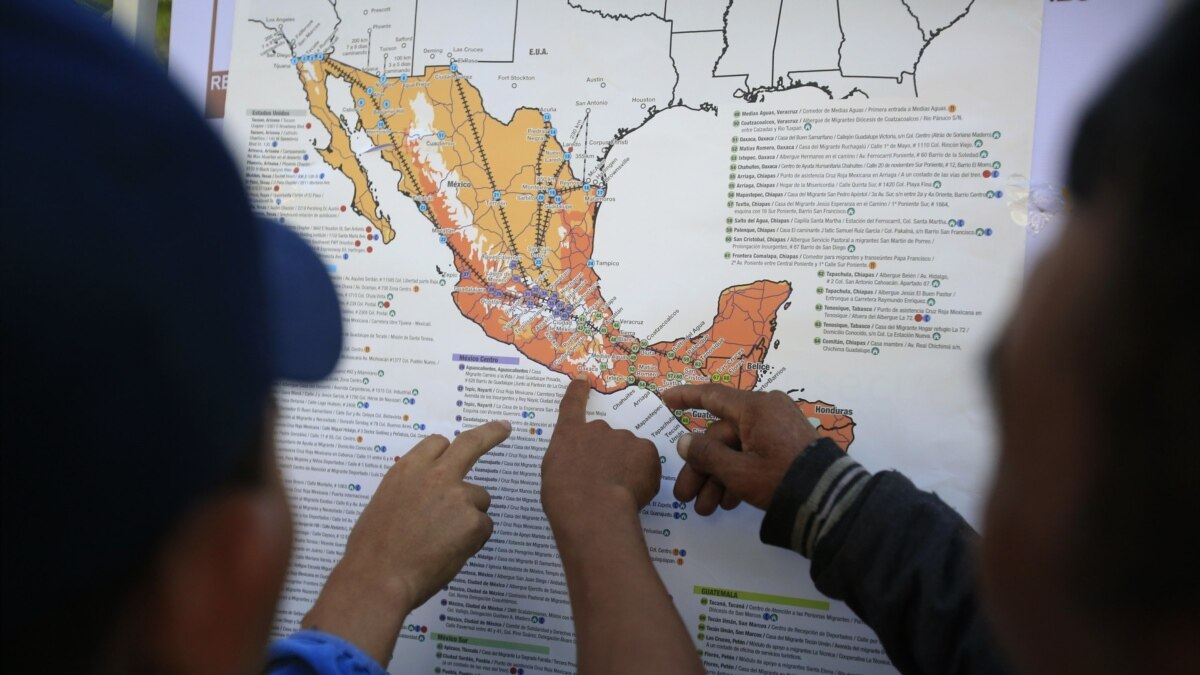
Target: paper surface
<point>798,196</point>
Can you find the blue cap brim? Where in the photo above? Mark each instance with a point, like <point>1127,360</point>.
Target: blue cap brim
<point>305,318</point>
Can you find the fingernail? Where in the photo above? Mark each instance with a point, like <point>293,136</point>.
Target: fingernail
<point>506,424</point>
<point>581,375</point>
<point>682,446</point>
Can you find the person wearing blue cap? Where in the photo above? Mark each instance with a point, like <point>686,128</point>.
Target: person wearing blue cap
<point>146,315</point>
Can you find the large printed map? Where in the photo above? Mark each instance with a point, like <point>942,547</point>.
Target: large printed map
<point>802,195</point>
<point>505,198</point>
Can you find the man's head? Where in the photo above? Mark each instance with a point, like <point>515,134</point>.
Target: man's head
<point>146,313</point>
<point>1093,527</point>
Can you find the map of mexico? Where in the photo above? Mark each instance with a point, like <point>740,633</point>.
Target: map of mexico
<point>808,196</point>
<point>504,199</point>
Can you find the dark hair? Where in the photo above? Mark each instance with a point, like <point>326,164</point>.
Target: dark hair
<point>1138,549</point>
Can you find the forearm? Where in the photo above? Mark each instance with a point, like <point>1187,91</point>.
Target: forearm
<point>898,556</point>
<point>624,619</point>
<point>367,617</point>
<point>904,562</point>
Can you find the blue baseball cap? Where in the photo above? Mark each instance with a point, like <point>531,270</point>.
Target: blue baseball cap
<point>147,311</point>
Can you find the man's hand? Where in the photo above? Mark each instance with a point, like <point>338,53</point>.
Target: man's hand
<point>745,454</point>
<point>592,467</point>
<point>415,534</point>
<point>595,480</point>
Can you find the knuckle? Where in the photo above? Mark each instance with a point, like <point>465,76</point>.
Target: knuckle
<point>483,526</point>
<point>779,398</point>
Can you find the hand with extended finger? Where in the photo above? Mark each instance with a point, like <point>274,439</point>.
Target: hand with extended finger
<point>745,454</point>
<point>590,466</point>
<point>420,527</point>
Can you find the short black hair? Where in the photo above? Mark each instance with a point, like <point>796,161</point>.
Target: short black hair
<point>1135,155</point>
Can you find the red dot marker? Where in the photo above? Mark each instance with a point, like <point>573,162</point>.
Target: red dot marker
<point>357,242</point>
<point>917,318</point>
<point>570,148</point>
<point>296,170</point>
<point>368,229</point>
<point>308,126</point>
<point>987,173</point>
<point>370,249</point>
<point>343,208</point>
<point>277,188</point>
<point>386,304</point>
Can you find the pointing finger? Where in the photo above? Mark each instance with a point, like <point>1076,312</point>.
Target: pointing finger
<point>574,402</point>
<point>721,400</point>
<point>471,444</point>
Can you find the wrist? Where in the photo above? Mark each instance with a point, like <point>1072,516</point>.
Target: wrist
<point>811,496</point>
<point>584,511</point>
<point>365,612</point>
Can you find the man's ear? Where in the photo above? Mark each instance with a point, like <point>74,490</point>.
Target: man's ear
<point>217,581</point>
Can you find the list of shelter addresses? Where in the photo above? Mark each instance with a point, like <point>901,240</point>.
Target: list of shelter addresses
<point>883,203</point>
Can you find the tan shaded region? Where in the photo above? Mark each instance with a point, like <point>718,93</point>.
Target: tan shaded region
<point>517,256</point>
<point>838,428</point>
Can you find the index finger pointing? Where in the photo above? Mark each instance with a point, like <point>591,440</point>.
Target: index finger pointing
<point>721,400</point>
<point>574,403</point>
<point>473,443</point>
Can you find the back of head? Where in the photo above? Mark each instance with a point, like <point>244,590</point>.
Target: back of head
<point>138,353</point>
<point>1133,159</point>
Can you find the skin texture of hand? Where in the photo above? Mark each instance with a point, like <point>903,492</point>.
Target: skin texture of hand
<point>395,562</point>
<point>590,464</point>
<point>745,454</point>
<point>595,480</point>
